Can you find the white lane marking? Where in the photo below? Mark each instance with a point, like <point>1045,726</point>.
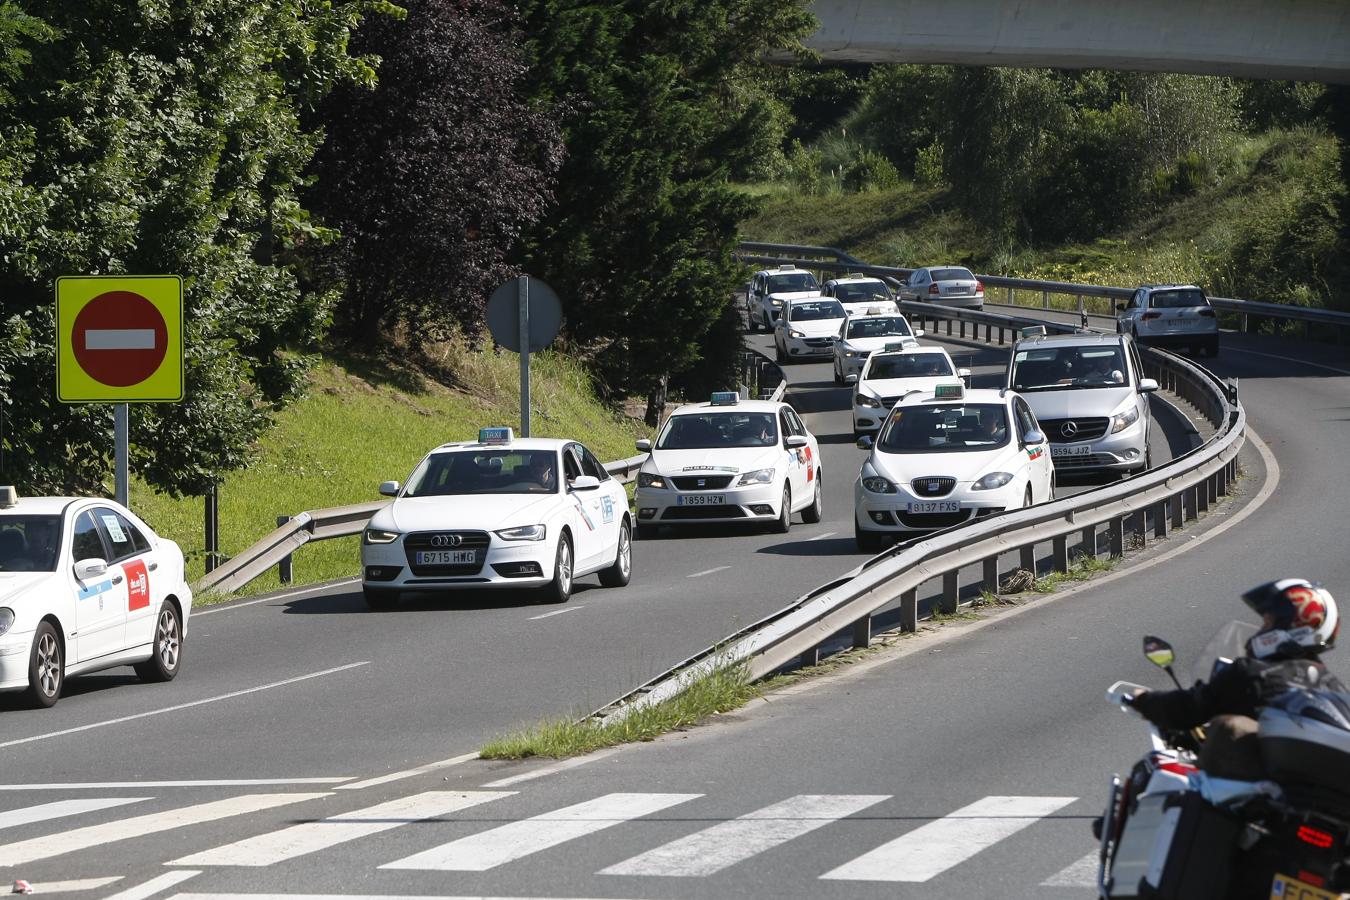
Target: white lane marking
<point>169,709</point>
<point>154,885</point>
<point>1301,362</point>
<point>821,537</point>
<point>346,582</point>
<point>79,884</point>
<point>309,837</point>
<point>48,811</point>
<point>119,339</point>
<point>727,843</point>
<point>707,572</point>
<point>221,782</point>
<point>365,897</point>
<point>1082,873</point>
<point>556,767</point>
<point>408,773</point>
<point>488,849</point>
<point>21,852</point>
<point>557,612</point>
<point>932,849</point>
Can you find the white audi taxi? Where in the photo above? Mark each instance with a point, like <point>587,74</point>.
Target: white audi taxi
<point>901,368</point>
<point>501,512</point>
<point>862,335</point>
<point>85,585</point>
<point>947,456</point>
<point>729,461</point>
<point>807,328</point>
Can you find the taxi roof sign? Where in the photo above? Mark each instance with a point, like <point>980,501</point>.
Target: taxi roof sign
<point>1033,331</point>
<point>894,346</point>
<point>875,310</point>
<point>956,391</point>
<point>725,398</point>
<point>495,435</point>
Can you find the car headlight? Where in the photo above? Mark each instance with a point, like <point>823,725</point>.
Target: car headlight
<point>869,402</point>
<point>523,533</point>
<point>991,481</point>
<point>792,332</point>
<point>774,301</point>
<point>875,484</point>
<point>759,476</point>
<point>378,536</point>
<point>650,480</point>
<point>1124,420</point>
<point>6,619</point>
<point>850,353</point>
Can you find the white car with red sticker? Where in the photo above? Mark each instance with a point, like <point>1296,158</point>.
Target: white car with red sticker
<point>85,585</point>
<point>729,461</point>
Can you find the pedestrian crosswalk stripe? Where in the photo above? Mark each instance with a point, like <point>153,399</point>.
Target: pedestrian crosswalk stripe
<point>727,843</point>
<point>21,852</point>
<point>1082,873</point>
<point>932,849</point>
<point>60,809</point>
<point>308,837</point>
<point>487,849</point>
<point>152,887</point>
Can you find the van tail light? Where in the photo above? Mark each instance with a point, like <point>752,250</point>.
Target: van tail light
<point>933,289</point>
<point>1151,315</point>
<point>1320,839</point>
<point>1207,312</point>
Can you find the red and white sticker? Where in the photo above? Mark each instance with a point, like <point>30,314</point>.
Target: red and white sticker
<point>138,585</point>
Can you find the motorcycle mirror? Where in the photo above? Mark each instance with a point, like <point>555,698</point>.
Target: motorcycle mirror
<point>1161,654</point>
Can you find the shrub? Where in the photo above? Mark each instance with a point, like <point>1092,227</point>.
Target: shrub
<point>871,171</point>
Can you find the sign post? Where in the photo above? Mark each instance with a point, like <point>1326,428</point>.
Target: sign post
<point>524,315</point>
<point>523,299</point>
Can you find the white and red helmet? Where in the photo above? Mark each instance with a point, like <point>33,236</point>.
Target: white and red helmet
<point>1302,614</point>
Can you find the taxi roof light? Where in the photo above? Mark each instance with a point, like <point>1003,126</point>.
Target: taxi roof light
<point>495,435</point>
<point>8,497</point>
<point>956,391</point>
<point>786,267</point>
<point>894,346</point>
<point>1033,331</point>
<point>875,311</point>
<point>725,398</point>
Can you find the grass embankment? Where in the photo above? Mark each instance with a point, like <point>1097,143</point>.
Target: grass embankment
<point>363,422</point>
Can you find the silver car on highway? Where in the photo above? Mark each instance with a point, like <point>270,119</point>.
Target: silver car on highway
<point>947,285</point>
<point>1170,315</point>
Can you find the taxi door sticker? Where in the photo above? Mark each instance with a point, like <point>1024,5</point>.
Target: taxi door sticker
<point>810,469</point>
<point>581,508</point>
<point>607,509</point>
<point>138,585</point>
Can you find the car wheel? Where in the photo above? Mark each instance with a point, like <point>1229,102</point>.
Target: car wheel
<point>166,654</point>
<point>46,667</point>
<point>784,521</point>
<point>813,513</point>
<point>1052,487</point>
<point>647,532</point>
<point>621,572</point>
<point>778,354</point>
<point>559,590</point>
<point>867,541</point>
<point>380,599</point>
<point>838,376</point>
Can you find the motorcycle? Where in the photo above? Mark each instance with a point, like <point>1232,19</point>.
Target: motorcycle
<point>1171,831</point>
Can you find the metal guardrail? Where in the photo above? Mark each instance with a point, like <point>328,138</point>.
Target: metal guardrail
<point>1149,504</point>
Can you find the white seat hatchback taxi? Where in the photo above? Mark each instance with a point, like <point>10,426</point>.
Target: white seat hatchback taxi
<point>730,461</point>
<point>947,456</point>
<point>85,585</point>
<point>500,512</point>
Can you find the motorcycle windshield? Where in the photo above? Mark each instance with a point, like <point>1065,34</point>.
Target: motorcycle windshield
<point>1229,643</point>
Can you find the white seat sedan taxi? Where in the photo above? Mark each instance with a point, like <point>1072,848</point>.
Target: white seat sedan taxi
<point>897,370</point>
<point>947,456</point>
<point>771,288</point>
<point>807,329</point>
<point>730,461</point>
<point>85,585</point>
<point>500,512</point>
<point>858,293</point>
<point>862,335</point>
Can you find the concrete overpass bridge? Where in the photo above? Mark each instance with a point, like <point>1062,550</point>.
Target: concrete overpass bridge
<point>1302,40</point>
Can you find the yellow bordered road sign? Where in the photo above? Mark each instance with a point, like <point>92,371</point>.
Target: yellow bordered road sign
<point>119,338</point>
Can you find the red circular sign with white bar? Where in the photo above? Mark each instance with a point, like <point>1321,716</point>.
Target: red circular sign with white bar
<point>120,338</point>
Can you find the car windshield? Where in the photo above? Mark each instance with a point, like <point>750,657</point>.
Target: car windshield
<point>879,327</point>
<point>793,281</point>
<point>861,291</point>
<point>908,365</point>
<point>29,543</point>
<point>953,274</point>
<point>719,429</point>
<point>1051,368</point>
<point>481,471</point>
<point>1179,299</point>
<point>823,309</point>
<point>945,428</point>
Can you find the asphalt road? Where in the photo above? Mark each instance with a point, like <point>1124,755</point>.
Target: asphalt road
<point>1000,713</point>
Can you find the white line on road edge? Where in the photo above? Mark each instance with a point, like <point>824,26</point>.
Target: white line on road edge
<point>169,709</point>
<point>1082,873</point>
<point>60,809</point>
<point>81,884</point>
<point>220,782</point>
<point>556,767</point>
<point>821,537</point>
<point>1301,362</point>
<point>154,885</point>
<point>312,589</point>
<point>557,612</point>
<point>707,572</point>
<point>363,897</point>
<point>408,773</point>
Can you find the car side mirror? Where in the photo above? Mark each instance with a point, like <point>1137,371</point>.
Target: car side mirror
<point>918,332</point>
<point>1033,437</point>
<point>584,483</point>
<point>1159,652</point>
<point>865,442</point>
<point>962,373</point>
<point>795,441</point>
<point>86,569</point>
<point>389,488</point>
<point>850,379</point>
<point>1120,307</point>
<point>644,446</point>
<point>1147,385</point>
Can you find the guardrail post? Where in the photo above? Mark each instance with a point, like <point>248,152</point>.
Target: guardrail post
<point>1178,511</point>
<point>1161,518</point>
<point>991,574</point>
<point>862,632</point>
<point>1222,476</point>
<point>1139,527</point>
<point>284,566</point>
<point>1045,299</point>
<point>1028,558</point>
<point>811,657</point>
<point>909,610</point>
<point>949,328</point>
<point>1188,499</point>
<point>1243,327</point>
<point>1089,546</point>
<point>951,592</point>
<point>1000,335</point>
<point>1202,497</point>
<point>1061,553</point>
<point>212,523</point>
<point>962,327</point>
<point>1012,301</point>
<point>1115,533</point>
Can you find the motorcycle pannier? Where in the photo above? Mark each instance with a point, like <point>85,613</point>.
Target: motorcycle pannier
<point>1175,847</point>
<point>1306,744</point>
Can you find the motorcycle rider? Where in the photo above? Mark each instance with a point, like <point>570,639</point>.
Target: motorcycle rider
<point>1299,621</point>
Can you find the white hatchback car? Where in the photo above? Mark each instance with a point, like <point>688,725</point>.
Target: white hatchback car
<point>85,585</point>
<point>771,288</point>
<point>730,461</point>
<point>858,293</point>
<point>887,376</point>
<point>947,456</point>
<point>862,335</point>
<point>807,329</point>
<point>1170,315</point>
<point>500,512</point>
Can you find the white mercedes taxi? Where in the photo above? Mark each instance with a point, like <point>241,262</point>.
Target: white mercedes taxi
<point>807,329</point>
<point>500,512</point>
<point>730,461</point>
<point>862,335</point>
<point>899,369</point>
<point>947,456</point>
<point>85,585</point>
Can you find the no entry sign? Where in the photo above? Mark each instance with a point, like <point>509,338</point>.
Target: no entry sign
<point>119,338</point>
